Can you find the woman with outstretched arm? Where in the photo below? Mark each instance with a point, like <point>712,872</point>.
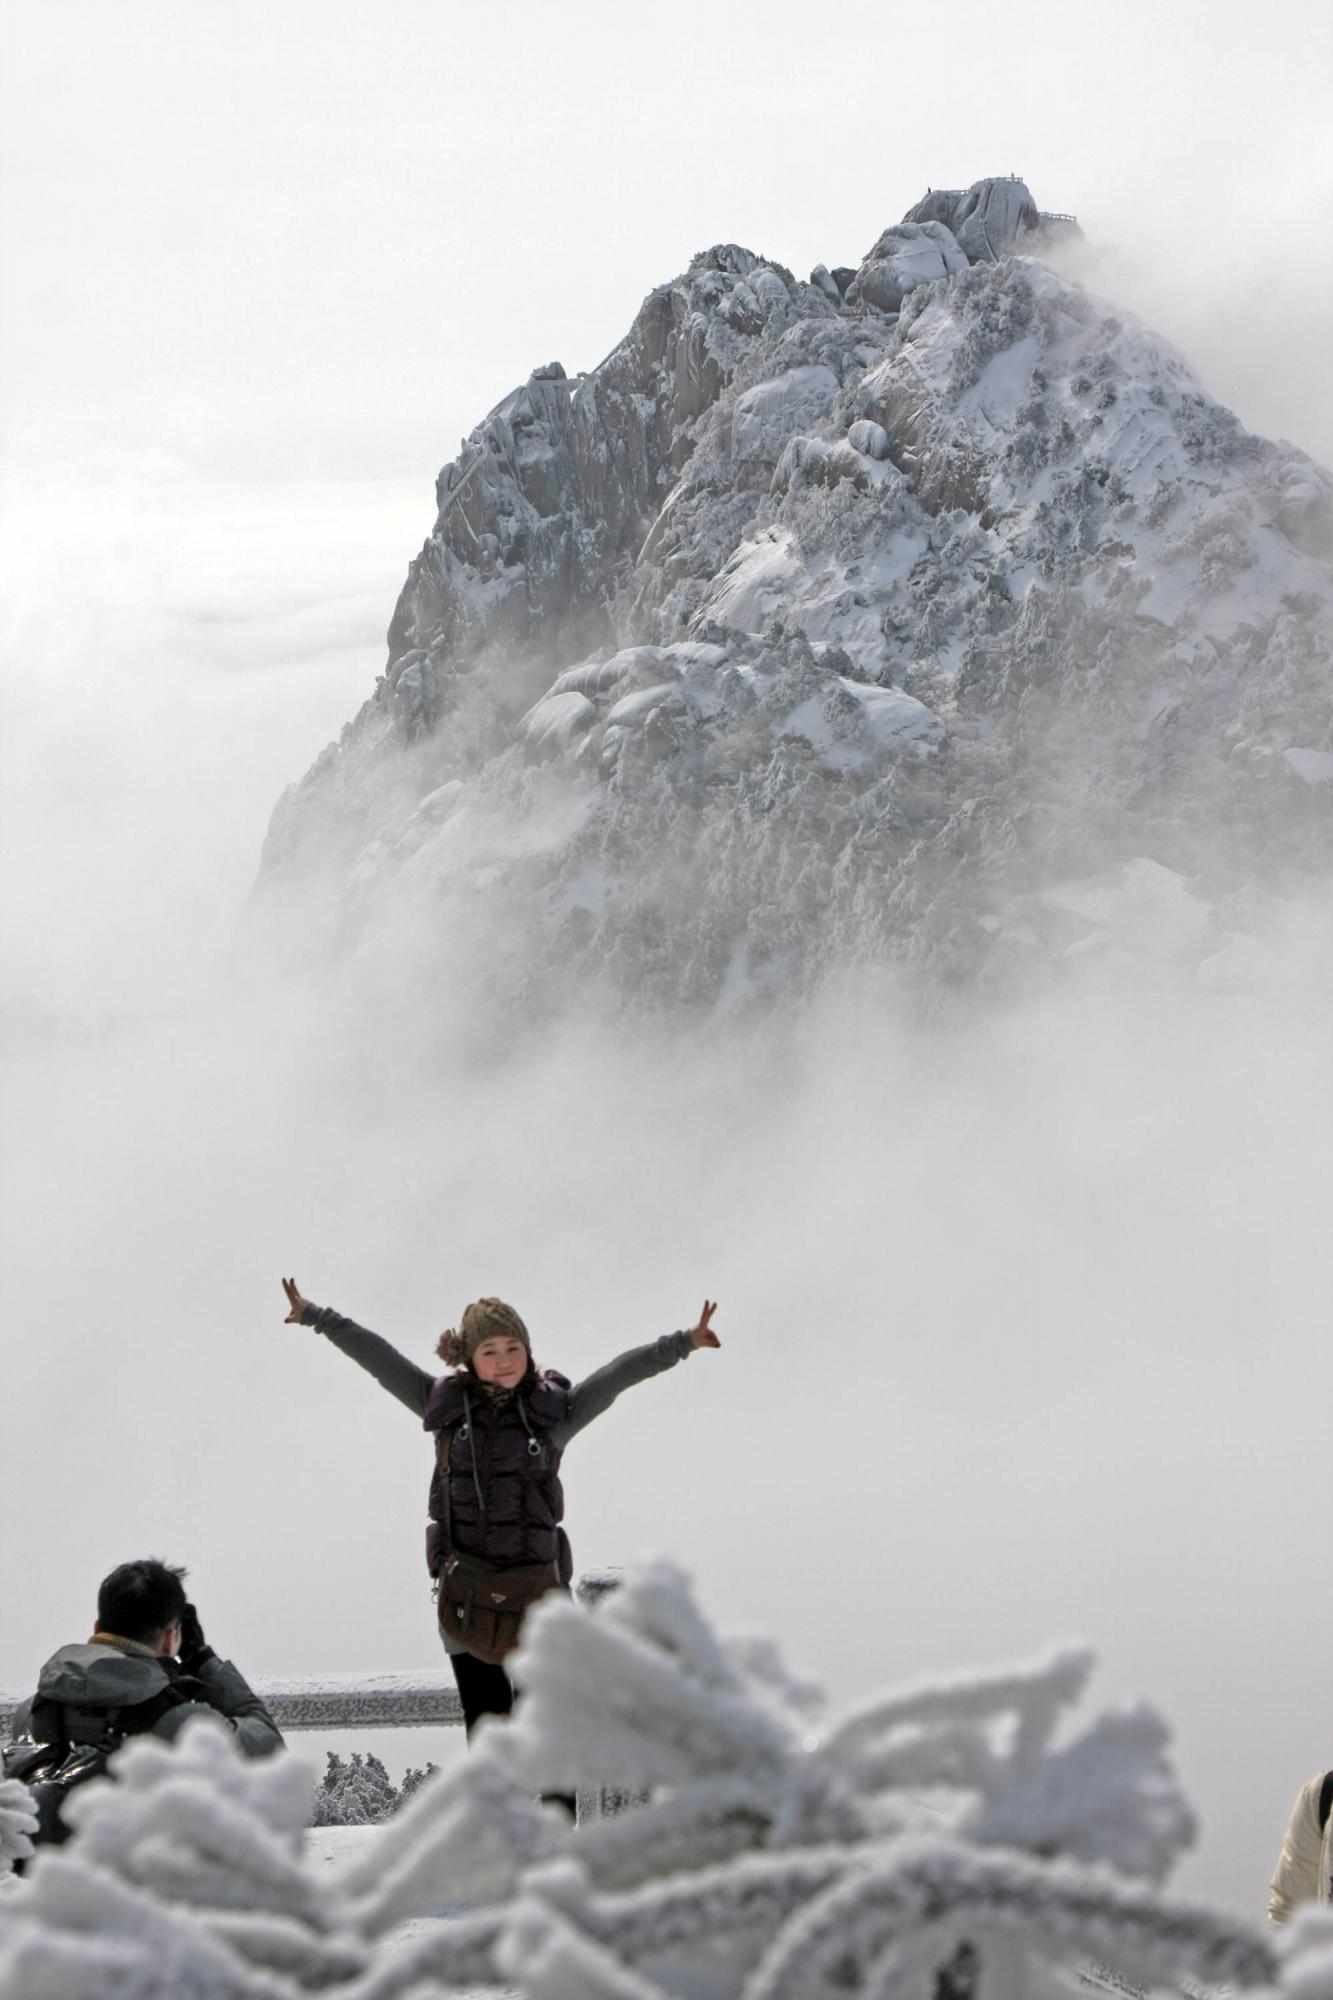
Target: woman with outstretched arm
<point>494,1540</point>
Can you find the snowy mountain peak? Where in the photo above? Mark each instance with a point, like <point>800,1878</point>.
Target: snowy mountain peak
<point>841,619</point>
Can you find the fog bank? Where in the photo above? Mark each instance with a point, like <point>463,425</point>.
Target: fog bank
<point>1024,1319</point>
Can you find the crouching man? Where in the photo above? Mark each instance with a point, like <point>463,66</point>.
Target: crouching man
<point>147,1670</point>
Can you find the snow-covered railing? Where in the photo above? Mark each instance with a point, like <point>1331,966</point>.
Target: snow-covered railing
<point>364,1701</point>
<point>422,1700</point>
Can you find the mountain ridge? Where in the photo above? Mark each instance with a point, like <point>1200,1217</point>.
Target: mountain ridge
<point>840,620</point>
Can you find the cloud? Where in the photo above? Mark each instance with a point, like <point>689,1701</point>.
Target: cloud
<point>1023,1318</point>
<point>175,653</point>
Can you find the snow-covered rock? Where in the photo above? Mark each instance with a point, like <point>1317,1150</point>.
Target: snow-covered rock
<point>869,438</point>
<point>993,217</point>
<point>823,280</point>
<point>987,221</point>
<point>763,418</point>
<point>907,255</point>
<point>798,634</point>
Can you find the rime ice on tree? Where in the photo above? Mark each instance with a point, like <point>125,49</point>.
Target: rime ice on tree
<point>776,1853</point>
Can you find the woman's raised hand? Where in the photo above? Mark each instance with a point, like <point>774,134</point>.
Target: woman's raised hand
<point>295,1301</point>
<point>703,1335</point>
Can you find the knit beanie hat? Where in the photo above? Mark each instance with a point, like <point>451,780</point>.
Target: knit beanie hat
<point>484,1319</point>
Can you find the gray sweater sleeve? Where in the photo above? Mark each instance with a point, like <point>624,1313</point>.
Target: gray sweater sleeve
<point>392,1370</point>
<point>230,1695</point>
<point>589,1398</point>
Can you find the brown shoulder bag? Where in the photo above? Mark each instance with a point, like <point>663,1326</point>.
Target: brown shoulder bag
<point>481,1605</point>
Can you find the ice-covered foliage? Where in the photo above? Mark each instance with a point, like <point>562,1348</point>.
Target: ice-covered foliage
<point>358,1791</point>
<point>1307,1954</point>
<point>187,1879</point>
<point>964,1836</point>
<point>829,622</point>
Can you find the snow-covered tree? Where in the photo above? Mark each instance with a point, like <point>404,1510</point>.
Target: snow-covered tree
<point>414,1777</point>
<point>355,1792</point>
<point>358,1791</point>
<point>960,1837</point>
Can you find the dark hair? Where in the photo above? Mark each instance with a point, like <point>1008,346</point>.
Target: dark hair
<point>140,1599</point>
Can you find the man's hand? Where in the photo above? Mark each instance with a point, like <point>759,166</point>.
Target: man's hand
<point>295,1301</point>
<point>703,1335</point>
<point>195,1649</point>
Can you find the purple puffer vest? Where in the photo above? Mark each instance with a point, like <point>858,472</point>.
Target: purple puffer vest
<point>505,1499</point>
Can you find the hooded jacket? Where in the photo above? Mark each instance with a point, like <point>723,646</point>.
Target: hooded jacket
<point>1304,1872</point>
<point>83,1688</point>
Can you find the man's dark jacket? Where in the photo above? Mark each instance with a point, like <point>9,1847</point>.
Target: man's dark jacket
<point>126,1682</point>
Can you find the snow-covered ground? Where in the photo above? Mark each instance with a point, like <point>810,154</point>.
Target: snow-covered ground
<point>337,1846</point>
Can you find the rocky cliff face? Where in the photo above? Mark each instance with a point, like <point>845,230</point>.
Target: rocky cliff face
<point>882,618</point>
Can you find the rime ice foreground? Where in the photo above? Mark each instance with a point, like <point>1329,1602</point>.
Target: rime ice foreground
<point>959,1831</point>
<point>905,616</point>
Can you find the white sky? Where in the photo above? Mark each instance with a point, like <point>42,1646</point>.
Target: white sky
<point>262,266</point>
<point>292,240</point>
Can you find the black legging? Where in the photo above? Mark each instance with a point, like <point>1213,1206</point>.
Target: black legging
<point>485,1689</point>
